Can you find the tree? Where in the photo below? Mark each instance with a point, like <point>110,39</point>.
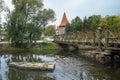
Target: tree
<point>68,28</point>
<point>113,22</point>
<point>94,21</point>
<point>110,22</point>
<point>76,24</point>
<point>27,21</point>
<point>85,24</point>
<point>50,30</point>
<point>1,6</point>
<point>103,23</point>
<point>1,9</point>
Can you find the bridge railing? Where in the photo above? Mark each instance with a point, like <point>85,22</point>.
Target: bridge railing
<point>104,38</point>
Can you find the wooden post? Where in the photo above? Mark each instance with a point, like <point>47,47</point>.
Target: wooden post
<point>94,39</point>
<point>100,32</point>
<point>107,38</point>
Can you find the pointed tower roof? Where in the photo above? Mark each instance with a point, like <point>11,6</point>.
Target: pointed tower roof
<point>64,21</point>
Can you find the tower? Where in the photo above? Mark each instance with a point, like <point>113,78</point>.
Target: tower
<point>63,24</point>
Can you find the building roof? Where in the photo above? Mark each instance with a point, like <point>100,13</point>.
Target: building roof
<point>64,21</point>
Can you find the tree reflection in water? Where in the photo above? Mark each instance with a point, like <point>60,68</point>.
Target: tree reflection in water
<point>7,73</point>
<point>69,66</point>
<point>15,74</point>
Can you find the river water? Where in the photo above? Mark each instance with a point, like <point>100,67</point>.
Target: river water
<point>68,66</point>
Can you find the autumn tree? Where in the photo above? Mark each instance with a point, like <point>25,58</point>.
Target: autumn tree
<point>50,30</point>
<point>27,21</point>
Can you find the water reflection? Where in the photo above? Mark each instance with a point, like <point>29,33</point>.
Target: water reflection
<point>15,74</point>
<point>69,66</point>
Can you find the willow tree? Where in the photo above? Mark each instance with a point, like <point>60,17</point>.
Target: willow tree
<point>27,21</point>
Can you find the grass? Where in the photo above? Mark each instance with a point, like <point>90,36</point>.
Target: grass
<point>45,47</point>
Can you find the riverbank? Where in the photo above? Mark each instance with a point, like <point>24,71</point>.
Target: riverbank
<point>44,47</point>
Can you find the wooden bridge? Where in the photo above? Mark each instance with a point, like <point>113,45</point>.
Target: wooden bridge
<point>103,40</point>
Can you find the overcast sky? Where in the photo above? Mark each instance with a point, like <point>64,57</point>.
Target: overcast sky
<point>80,8</point>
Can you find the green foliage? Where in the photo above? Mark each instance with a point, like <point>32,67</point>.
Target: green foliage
<point>68,28</point>
<point>103,23</point>
<point>1,5</point>
<point>27,21</point>
<point>50,30</point>
<point>108,22</point>
<point>111,23</point>
<point>93,21</point>
<point>85,25</point>
<point>76,24</point>
<point>46,47</point>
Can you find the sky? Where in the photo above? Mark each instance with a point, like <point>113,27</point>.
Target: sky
<point>80,8</point>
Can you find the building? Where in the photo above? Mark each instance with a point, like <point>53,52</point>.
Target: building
<point>57,30</point>
<point>62,25</point>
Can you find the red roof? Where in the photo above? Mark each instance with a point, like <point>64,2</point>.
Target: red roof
<point>64,21</point>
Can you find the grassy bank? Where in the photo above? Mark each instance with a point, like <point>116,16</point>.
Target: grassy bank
<point>45,47</point>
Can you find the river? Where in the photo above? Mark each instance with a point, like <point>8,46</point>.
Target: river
<point>68,66</point>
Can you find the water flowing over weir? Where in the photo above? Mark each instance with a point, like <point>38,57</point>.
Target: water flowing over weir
<point>69,66</point>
